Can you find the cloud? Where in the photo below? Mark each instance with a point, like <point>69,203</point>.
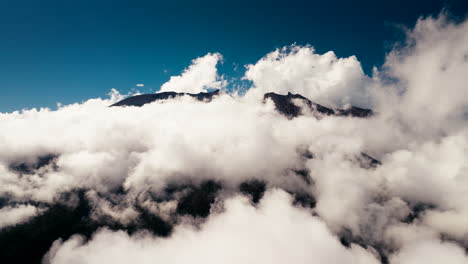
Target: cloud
<point>431,252</point>
<point>13,215</point>
<point>276,232</point>
<point>430,77</point>
<point>198,77</point>
<point>323,78</point>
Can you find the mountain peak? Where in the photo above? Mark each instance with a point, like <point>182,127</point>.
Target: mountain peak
<point>142,99</point>
<point>283,103</point>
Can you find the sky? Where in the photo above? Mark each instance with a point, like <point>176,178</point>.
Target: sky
<point>68,51</point>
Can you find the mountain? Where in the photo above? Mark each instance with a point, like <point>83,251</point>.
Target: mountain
<point>142,99</point>
<point>283,103</point>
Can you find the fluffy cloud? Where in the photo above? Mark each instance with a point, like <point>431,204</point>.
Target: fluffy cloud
<point>276,232</point>
<point>198,77</point>
<point>431,252</point>
<point>12,215</point>
<point>429,79</point>
<point>324,78</point>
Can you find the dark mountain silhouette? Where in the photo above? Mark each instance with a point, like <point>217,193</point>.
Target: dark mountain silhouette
<point>283,103</point>
<point>142,99</point>
<point>31,166</point>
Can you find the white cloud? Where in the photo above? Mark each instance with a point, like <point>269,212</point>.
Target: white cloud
<point>324,78</point>
<point>275,233</point>
<point>429,74</point>
<point>11,215</point>
<point>431,252</point>
<point>198,77</point>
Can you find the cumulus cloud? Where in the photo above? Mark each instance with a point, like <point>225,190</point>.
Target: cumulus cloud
<point>429,78</point>
<point>323,78</point>
<point>234,179</point>
<point>198,77</point>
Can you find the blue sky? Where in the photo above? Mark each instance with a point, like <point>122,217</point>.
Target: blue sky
<point>68,51</point>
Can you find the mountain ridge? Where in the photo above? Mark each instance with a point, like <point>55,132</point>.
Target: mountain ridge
<point>283,103</point>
